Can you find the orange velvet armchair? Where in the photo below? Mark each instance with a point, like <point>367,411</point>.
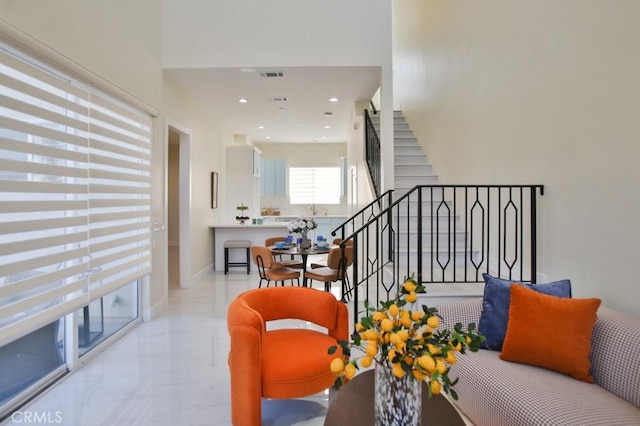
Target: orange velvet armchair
<point>280,363</point>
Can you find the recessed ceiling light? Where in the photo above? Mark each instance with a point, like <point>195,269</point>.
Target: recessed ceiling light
<point>260,127</point>
<point>268,137</point>
<point>243,100</point>
<point>327,127</point>
<point>324,137</point>
<point>334,99</point>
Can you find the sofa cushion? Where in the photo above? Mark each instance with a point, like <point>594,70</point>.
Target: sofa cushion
<point>550,332</point>
<point>495,306</point>
<point>499,393</point>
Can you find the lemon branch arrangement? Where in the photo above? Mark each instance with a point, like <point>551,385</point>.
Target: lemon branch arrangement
<point>409,342</point>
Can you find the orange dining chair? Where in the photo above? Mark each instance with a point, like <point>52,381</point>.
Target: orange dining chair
<point>270,271</point>
<point>278,260</point>
<point>338,262</point>
<point>281,363</point>
<point>336,241</point>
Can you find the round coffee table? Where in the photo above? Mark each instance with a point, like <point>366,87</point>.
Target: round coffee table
<point>353,405</point>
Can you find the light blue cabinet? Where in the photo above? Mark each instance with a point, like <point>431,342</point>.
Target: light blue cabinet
<point>273,177</point>
<point>326,225</point>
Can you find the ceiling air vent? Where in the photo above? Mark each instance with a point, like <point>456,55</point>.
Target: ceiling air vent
<point>278,99</point>
<point>272,74</point>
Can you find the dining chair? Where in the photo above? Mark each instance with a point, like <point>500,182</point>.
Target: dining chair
<point>338,262</point>
<point>269,270</point>
<point>278,260</point>
<point>336,241</point>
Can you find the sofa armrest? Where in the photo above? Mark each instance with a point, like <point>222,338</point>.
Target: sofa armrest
<point>615,354</point>
<point>463,311</point>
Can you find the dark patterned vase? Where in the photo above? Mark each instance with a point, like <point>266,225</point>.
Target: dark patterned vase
<point>397,400</point>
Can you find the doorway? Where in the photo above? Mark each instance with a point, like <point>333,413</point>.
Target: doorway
<point>178,207</point>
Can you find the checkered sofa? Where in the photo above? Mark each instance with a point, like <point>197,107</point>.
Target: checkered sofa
<point>494,392</point>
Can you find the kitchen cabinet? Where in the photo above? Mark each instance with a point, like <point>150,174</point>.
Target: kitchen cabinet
<point>273,177</point>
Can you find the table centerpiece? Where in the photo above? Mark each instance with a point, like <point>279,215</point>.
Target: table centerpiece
<point>302,226</point>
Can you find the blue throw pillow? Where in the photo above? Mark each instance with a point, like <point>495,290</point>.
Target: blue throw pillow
<point>496,301</point>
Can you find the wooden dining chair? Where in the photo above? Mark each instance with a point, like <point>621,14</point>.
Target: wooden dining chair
<point>279,261</point>
<point>338,261</point>
<point>269,270</point>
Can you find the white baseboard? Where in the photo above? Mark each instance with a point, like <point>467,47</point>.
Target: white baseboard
<point>151,313</point>
<point>202,274</point>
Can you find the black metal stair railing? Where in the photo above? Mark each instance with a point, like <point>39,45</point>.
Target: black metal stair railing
<point>446,234</point>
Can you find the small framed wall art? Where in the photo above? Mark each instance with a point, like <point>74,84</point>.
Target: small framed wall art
<point>214,190</point>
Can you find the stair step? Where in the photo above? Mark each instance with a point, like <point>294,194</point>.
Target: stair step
<point>440,239</point>
<point>406,142</point>
<point>413,170</point>
<point>401,190</point>
<point>407,160</point>
<point>407,150</point>
<point>398,125</point>
<point>405,181</point>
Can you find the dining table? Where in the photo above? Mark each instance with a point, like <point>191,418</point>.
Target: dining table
<point>295,250</point>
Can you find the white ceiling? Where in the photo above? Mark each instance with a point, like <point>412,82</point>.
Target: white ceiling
<point>300,119</point>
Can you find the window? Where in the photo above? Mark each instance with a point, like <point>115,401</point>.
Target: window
<point>314,185</point>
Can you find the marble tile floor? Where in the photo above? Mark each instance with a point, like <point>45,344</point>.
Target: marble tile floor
<point>170,371</point>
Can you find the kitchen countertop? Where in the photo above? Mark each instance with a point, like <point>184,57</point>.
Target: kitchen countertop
<point>250,225</point>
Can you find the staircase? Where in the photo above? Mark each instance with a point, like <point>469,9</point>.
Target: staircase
<point>439,227</point>
<point>447,235</point>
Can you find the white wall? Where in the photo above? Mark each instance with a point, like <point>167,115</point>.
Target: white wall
<point>536,92</point>
<point>121,42</point>
<point>207,154</point>
<point>223,33</point>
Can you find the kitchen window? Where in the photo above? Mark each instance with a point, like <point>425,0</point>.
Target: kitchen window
<point>314,185</point>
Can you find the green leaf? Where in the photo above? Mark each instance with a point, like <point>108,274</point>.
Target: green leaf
<point>454,394</point>
<point>332,350</point>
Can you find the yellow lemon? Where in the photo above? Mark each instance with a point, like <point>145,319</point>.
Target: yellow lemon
<point>433,322</point>
<point>366,361</point>
<point>393,310</point>
<point>404,335</point>
<point>386,324</point>
<point>372,349</point>
<point>371,334</point>
<point>391,354</point>
<point>405,319</point>
<point>411,297</point>
<point>468,340</point>
<point>427,363</point>
<point>436,387</point>
<point>337,365</point>
<point>394,339</point>
<point>410,285</point>
<point>349,371</point>
<point>451,357</point>
<point>397,370</point>
<point>379,316</point>
<point>417,316</point>
<point>440,366</point>
<point>359,327</point>
<point>418,375</point>
<point>456,347</point>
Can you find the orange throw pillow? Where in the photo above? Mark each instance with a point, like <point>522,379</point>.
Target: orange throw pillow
<point>550,332</point>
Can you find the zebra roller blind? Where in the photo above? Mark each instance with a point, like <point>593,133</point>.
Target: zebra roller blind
<point>75,189</point>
